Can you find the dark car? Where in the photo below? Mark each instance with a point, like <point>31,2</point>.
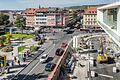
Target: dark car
<point>59,52</point>
<point>50,66</point>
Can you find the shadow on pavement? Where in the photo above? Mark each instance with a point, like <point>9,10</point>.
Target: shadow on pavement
<point>18,66</point>
<point>30,77</point>
<point>111,60</point>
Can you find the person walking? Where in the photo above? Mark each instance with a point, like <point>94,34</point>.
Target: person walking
<point>15,59</point>
<point>19,62</point>
<point>12,53</point>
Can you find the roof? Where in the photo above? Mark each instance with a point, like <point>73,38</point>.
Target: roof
<point>91,10</point>
<point>42,10</point>
<point>30,11</point>
<point>110,6</point>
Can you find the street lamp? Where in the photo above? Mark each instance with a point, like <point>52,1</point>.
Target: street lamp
<point>89,72</point>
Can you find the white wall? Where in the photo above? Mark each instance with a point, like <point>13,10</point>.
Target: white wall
<point>118,20</point>
<point>100,15</point>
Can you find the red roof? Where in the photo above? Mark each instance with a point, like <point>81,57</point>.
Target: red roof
<point>42,9</point>
<point>30,11</point>
<point>91,10</point>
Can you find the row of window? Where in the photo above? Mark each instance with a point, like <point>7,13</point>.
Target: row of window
<point>41,15</point>
<point>90,22</point>
<point>90,15</point>
<point>40,18</point>
<point>92,11</point>
<point>29,22</point>
<point>40,22</point>
<point>90,19</point>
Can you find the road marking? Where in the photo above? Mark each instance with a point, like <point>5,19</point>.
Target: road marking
<point>105,75</point>
<point>37,64</point>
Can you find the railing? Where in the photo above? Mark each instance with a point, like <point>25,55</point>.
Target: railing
<point>55,73</point>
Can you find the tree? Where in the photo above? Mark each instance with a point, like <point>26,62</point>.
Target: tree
<point>8,37</point>
<point>20,22</point>
<point>4,19</point>
<point>2,41</point>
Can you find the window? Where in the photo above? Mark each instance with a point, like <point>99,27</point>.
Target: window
<point>36,22</point>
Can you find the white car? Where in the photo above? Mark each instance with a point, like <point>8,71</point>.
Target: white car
<point>43,58</point>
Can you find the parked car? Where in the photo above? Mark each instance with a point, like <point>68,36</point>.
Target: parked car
<point>117,54</point>
<point>50,66</point>
<point>44,58</point>
<point>59,52</point>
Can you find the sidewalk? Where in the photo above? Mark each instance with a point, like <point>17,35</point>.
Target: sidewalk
<point>15,69</point>
<point>80,71</point>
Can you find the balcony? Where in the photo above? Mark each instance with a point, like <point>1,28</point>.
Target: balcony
<point>111,32</point>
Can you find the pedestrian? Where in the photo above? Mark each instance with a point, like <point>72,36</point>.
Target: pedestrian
<point>12,53</point>
<point>25,54</point>
<point>24,59</point>
<point>12,63</point>
<point>15,59</point>
<point>19,62</point>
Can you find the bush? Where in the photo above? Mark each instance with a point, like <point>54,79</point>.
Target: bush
<point>33,48</point>
<point>7,49</point>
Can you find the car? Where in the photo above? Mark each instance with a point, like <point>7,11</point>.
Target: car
<point>44,58</point>
<point>117,54</point>
<point>50,66</point>
<point>63,45</point>
<point>59,52</point>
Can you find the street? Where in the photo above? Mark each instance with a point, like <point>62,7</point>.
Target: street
<point>36,70</point>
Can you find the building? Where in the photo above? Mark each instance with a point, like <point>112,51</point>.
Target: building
<point>29,14</point>
<point>90,18</point>
<point>41,17</point>
<point>45,17</point>
<point>108,17</point>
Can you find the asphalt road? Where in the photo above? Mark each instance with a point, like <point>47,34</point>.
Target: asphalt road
<point>36,70</point>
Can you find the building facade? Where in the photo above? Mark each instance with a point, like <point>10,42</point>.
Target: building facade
<point>29,14</point>
<point>108,17</point>
<point>45,17</point>
<point>90,18</point>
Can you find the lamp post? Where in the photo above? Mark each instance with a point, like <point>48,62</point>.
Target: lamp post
<point>89,72</point>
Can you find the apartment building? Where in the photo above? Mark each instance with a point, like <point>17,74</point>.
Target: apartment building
<point>45,17</point>
<point>90,18</point>
<point>29,14</point>
<point>41,17</point>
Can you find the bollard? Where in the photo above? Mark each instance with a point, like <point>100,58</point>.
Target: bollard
<point>114,70</point>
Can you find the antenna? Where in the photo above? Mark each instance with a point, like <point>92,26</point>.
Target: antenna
<point>39,6</point>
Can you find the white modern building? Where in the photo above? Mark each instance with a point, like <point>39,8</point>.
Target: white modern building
<point>108,18</point>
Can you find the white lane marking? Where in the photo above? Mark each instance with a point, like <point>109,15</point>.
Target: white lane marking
<point>37,64</point>
<point>105,75</point>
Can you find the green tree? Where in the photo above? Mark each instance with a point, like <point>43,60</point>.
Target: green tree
<point>8,37</point>
<point>2,41</point>
<point>4,19</point>
<point>20,22</point>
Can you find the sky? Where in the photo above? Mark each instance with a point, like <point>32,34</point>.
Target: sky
<point>23,4</point>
